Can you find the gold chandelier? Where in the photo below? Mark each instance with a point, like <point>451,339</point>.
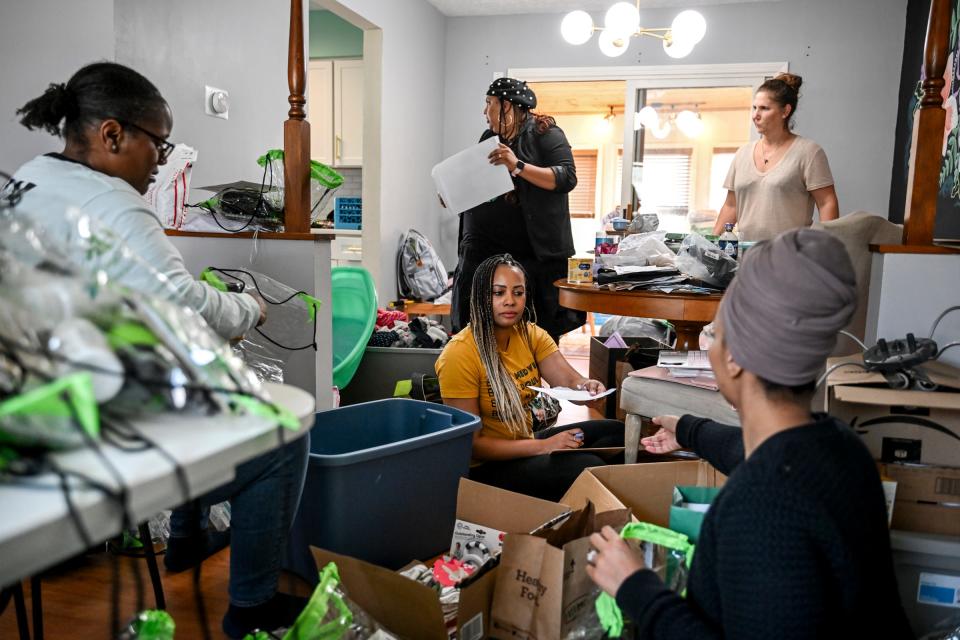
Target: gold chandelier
<point>622,22</point>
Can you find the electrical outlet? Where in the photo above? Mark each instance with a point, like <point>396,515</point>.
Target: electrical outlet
<point>216,102</point>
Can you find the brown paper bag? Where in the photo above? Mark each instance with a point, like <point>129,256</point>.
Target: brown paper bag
<point>542,587</point>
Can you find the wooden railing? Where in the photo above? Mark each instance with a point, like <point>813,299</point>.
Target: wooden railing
<point>296,132</point>
<point>923,179</point>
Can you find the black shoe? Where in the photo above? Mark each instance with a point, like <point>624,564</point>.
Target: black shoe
<point>278,612</point>
<point>186,553</point>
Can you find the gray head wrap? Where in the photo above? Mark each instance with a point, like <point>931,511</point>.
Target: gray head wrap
<point>786,304</point>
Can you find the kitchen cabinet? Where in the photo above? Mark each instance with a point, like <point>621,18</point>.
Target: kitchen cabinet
<point>335,110</point>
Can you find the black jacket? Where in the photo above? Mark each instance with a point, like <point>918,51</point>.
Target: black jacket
<point>547,213</point>
<point>795,546</point>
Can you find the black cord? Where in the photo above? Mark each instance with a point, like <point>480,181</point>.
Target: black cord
<point>256,285</point>
<point>259,206</point>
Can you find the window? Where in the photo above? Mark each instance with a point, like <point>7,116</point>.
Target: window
<point>666,179</point>
<point>719,165</point>
<point>583,199</point>
<point>618,191</point>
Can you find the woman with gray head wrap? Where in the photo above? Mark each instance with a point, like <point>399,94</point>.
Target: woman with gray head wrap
<point>796,545</point>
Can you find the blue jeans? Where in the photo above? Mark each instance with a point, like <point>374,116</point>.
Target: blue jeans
<point>263,502</point>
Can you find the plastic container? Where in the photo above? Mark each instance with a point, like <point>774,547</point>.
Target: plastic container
<point>353,307</point>
<point>348,213</point>
<point>381,367</point>
<point>928,576</point>
<point>382,482</point>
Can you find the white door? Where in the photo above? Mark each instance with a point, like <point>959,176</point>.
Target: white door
<point>348,113</point>
<point>320,110</point>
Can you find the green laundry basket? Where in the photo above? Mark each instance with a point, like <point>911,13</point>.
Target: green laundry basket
<point>354,309</point>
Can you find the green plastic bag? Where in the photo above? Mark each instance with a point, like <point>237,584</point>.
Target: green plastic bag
<point>676,553</point>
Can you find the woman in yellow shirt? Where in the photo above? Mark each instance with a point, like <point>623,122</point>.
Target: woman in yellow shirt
<point>488,369</point>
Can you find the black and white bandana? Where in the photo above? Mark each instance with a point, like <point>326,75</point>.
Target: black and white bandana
<point>513,91</point>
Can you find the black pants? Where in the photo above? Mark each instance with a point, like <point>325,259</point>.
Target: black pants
<point>548,476</point>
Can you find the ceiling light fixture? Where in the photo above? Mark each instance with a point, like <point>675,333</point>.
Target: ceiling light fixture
<point>622,22</point>
<point>687,121</point>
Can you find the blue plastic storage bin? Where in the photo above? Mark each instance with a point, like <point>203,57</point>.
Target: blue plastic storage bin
<point>382,482</point>
<point>348,213</point>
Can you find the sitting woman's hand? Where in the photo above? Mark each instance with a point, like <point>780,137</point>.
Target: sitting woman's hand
<point>612,562</point>
<point>593,387</point>
<point>664,440</point>
<point>571,439</point>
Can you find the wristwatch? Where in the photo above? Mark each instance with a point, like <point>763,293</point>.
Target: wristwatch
<point>520,166</point>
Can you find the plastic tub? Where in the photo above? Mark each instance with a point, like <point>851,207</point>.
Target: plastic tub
<point>382,482</point>
<point>353,308</point>
<point>381,368</point>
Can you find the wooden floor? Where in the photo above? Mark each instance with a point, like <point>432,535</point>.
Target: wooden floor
<point>76,599</point>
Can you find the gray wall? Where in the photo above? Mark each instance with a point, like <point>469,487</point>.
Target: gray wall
<point>412,113</point>
<point>37,50</point>
<point>183,45</point>
<point>849,54</point>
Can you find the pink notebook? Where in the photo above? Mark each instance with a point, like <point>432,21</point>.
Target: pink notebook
<point>660,373</point>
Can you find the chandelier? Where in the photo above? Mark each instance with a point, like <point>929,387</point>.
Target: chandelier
<point>622,22</point>
<point>687,121</point>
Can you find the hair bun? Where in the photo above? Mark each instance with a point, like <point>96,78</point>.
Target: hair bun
<point>63,102</point>
<point>791,80</point>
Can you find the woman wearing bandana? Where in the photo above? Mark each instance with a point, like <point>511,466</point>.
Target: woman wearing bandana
<point>532,222</point>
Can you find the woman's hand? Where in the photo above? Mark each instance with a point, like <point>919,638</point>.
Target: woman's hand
<point>570,439</point>
<point>664,440</point>
<point>593,387</point>
<point>613,562</point>
<point>503,155</point>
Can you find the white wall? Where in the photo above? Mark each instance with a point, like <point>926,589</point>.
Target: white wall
<point>412,113</point>
<point>239,46</point>
<point>37,50</point>
<point>908,292</point>
<point>849,54</point>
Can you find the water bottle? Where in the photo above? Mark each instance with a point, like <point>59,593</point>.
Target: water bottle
<point>729,242</point>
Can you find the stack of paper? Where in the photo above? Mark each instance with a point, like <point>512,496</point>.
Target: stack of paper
<point>467,179</point>
<point>686,364</point>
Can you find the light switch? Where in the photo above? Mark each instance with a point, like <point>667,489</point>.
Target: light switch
<point>216,102</point>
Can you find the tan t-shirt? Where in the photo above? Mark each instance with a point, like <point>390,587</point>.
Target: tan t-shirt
<point>462,375</point>
<point>778,200</point>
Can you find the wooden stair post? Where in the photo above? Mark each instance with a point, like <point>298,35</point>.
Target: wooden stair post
<point>923,179</point>
<point>296,132</point>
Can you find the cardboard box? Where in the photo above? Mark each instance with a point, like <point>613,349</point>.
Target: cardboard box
<point>603,367</point>
<point>646,488</point>
<point>898,425</point>
<point>927,498</point>
<point>412,610</point>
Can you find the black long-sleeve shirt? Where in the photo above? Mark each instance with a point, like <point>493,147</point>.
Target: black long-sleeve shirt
<point>795,546</point>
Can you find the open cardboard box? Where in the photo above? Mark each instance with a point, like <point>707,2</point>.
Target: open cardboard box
<point>412,610</point>
<point>890,421</point>
<point>646,488</point>
<point>927,498</point>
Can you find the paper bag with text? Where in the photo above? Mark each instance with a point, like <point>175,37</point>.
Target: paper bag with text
<point>543,591</point>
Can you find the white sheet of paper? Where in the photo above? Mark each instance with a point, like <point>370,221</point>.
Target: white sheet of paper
<point>562,393</point>
<point>467,178</point>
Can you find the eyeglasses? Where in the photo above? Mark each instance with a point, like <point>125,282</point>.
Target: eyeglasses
<point>707,337</point>
<point>164,148</point>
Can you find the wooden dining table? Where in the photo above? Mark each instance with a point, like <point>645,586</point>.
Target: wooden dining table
<point>688,312</point>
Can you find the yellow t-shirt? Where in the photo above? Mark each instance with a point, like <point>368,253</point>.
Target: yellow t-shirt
<point>462,375</point>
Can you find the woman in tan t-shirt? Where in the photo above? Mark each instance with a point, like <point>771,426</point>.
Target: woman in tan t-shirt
<point>773,183</point>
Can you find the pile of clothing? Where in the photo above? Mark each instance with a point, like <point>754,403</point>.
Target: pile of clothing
<point>395,329</point>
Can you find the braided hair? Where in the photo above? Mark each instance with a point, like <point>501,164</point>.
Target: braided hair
<point>506,396</point>
<point>96,92</point>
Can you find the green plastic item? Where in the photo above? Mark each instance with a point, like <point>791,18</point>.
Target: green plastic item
<point>403,389</point>
<point>152,624</point>
<point>59,401</point>
<point>130,334</point>
<point>326,616</point>
<point>320,172</point>
<point>353,305</point>
<point>281,415</point>
<point>611,618</point>
<point>213,279</point>
<point>685,520</point>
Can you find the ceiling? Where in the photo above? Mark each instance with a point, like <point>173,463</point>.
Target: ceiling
<point>596,97</point>
<point>512,7</point>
